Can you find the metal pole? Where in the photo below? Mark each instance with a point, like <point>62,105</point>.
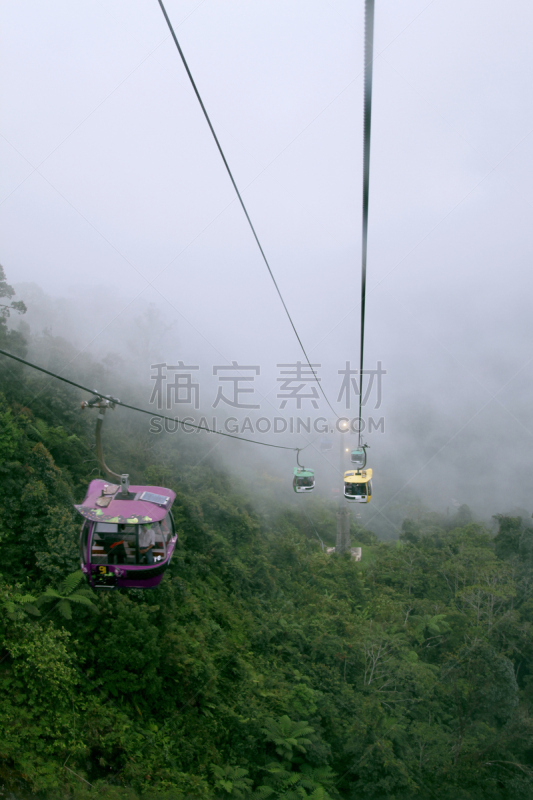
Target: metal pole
<point>343,514</point>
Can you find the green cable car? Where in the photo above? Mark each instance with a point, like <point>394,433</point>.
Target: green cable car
<point>358,457</point>
<point>304,479</point>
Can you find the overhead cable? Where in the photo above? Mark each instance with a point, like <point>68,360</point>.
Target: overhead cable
<point>211,128</point>
<point>183,423</point>
<point>367,120</point>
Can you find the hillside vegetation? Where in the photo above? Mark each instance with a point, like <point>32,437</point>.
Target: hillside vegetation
<point>260,667</point>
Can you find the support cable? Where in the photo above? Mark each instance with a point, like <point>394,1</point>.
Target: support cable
<point>206,115</point>
<point>143,410</point>
<point>367,119</point>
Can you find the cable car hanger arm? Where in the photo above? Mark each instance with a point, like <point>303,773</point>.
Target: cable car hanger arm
<point>102,404</point>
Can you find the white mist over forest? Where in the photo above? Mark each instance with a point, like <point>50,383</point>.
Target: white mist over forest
<point>121,232</point>
<point>420,462</point>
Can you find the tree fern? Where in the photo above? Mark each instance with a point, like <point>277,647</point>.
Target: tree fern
<point>71,582</point>
<point>68,595</point>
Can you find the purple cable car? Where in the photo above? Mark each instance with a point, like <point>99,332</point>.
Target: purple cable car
<point>120,520</point>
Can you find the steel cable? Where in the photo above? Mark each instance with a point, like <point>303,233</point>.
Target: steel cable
<point>219,146</point>
<point>367,120</point>
<point>143,410</point>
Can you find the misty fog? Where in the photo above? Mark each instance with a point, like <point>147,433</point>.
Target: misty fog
<point>122,234</point>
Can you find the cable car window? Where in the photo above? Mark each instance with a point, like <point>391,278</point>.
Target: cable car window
<point>110,537</point>
<point>166,532</point>
<point>105,527</point>
<point>355,488</point>
<point>160,547</point>
<point>128,536</point>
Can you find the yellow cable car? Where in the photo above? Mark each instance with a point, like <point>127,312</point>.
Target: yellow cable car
<point>358,485</point>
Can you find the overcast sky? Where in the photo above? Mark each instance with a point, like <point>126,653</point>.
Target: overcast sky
<point>113,196</point>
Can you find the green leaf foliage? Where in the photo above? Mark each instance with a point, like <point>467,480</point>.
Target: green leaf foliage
<point>260,667</point>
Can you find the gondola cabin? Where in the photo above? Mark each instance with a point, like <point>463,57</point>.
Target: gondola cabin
<point>304,479</point>
<point>358,485</point>
<point>128,536</point>
<point>326,444</point>
<point>358,458</point>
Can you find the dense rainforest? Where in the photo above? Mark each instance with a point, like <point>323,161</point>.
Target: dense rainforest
<point>261,667</point>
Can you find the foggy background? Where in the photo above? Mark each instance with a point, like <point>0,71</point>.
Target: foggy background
<point>122,234</point>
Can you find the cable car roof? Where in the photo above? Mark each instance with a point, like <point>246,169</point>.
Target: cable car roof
<point>301,472</point>
<point>143,504</point>
<point>357,477</point>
